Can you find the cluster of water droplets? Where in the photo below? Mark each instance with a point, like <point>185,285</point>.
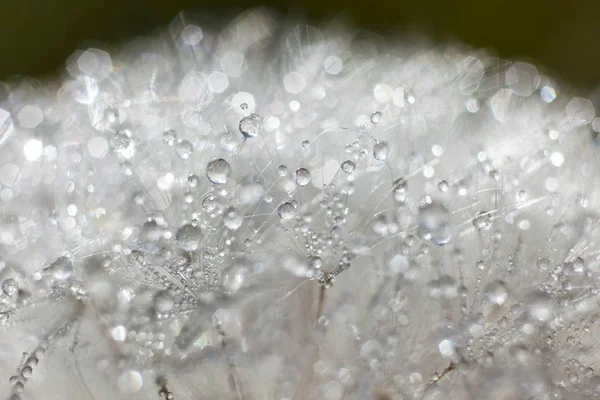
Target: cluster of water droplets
<point>336,219</point>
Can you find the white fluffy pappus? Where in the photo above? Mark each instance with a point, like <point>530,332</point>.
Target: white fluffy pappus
<point>276,211</point>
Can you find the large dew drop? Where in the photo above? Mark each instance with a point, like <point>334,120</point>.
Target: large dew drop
<point>302,177</point>
<point>61,269</point>
<point>496,292</point>
<point>188,237</point>
<point>381,151</point>
<point>251,125</point>
<point>286,211</point>
<point>434,222</point>
<point>540,306</point>
<point>218,171</point>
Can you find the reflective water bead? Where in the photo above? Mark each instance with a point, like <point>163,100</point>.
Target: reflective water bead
<point>188,237</point>
<point>163,301</point>
<point>302,176</point>
<point>496,292</point>
<point>381,151</point>
<point>483,220</point>
<point>282,170</point>
<point>185,149</point>
<point>286,211</point>
<point>193,180</point>
<point>232,219</point>
<point>169,137</point>
<point>130,381</point>
<point>26,372</point>
<point>61,269</point>
<point>434,220</point>
<point>540,305</point>
<point>443,186</point>
<point>348,166</point>
<point>376,117</point>
<point>218,171</point>
<point>10,287</point>
<point>251,126</point>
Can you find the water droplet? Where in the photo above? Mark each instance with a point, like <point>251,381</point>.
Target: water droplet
<point>282,170</point>
<point>371,350</point>
<point>232,219</point>
<point>443,186</point>
<point>120,141</point>
<point>286,211</point>
<point>119,333</point>
<point>251,191</point>
<point>61,269</point>
<point>376,117</point>
<point>163,301</point>
<point>483,220</point>
<point>540,305</point>
<point>169,137</point>
<point>251,126</point>
<point>10,287</point>
<point>381,151</point>
<point>26,372</point>
<point>399,264</point>
<point>302,177</point>
<point>184,149</point>
<point>543,264</point>
<point>218,171</point>
<point>348,166</point>
<point>434,221</point>
<point>188,237</point>
<point>305,143</point>
<point>193,180</point>
<point>130,382</point>
<point>496,292</point>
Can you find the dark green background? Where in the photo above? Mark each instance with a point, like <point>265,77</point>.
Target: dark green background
<point>37,35</point>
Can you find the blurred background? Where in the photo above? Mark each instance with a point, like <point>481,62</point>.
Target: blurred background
<point>36,36</point>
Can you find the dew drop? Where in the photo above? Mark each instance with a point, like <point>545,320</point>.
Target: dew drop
<point>381,151</point>
<point>169,137</point>
<point>286,211</point>
<point>540,306</point>
<point>10,287</point>
<point>185,149</point>
<point>218,171</point>
<point>282,170</point>
<point>483,220</point>
<point>193,180</point>
<point>496,292</point>
<point>61,269</point>
<point>302,177</point>
<point>251,126</point>
<point>348,166</point>
<point>371,350</point>
<point>434,221</point>
<point>163,301</point>
<point>188,237</point>
<point>376,117</point>
<point>443,186</point>
<point>130,382</point>
<point>232,219</point>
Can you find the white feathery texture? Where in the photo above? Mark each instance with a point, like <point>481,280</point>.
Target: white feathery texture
<point>289,212</point>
